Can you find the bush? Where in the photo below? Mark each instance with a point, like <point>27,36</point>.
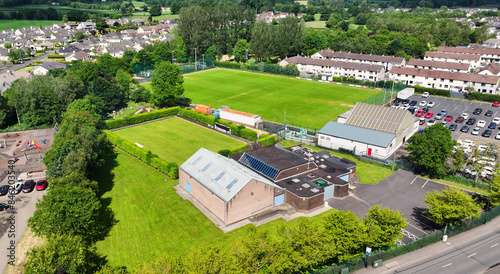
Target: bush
<point>196,116</point>
<point>266,140</point>
<point>225,152</point>
<point>289,70</point>
<point>483,97</point>
<point>239,149</point>
<point>433,91</point>
<point>37,62</point>
<point>142,117</point>
<point>239,130</point>
<point>171,169</point>
<point>227,64</point>
<point>56,56</point>
<point>248,134</point>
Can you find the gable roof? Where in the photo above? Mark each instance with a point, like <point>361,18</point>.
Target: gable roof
<point>222,176</point>
<point>438,64</point>
<point>466,77</point>
<point>481,51</point>
<point>331,63</point>
<point>451,55</point>
<point>378,118</point>
<point>359,56</point>
<point>358,134</point>
<point>493,68</point>
<point>53,65</point>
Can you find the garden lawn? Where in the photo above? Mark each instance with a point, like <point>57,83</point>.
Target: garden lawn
<point>367,173</point>
<point>315,24</point>
<point>175,139</point>
<point>17,24</point>
<point>154,221</point>
<point>306,103</point>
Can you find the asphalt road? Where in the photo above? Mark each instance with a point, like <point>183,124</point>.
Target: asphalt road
<point>15,67</point>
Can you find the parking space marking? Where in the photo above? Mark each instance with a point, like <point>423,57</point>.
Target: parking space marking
<point>446,265</point>
<point>416,228</point>
<point>409,235</point>
<point>414,180</point>
<point>494,245</point>
<point>471,255</point>
<point>425,183</point>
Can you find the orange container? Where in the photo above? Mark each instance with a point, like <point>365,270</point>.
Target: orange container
<point>204,109</point>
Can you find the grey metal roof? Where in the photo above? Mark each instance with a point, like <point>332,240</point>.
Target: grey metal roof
<point>224,177</point>
<point>358,134</point>
<point>377,117</point>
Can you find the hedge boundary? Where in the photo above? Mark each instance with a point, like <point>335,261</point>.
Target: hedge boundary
<point>432,91</point>
<point>151,159</point>
<point>139,118</point>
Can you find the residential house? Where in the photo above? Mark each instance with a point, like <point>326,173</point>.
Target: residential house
<point>386,61</point>
<point>487,55</point>
<point>473,60</point>
<point>47,66</point>
<point>492,43</point>
<point>8,77</point>
<point>78,55</point>
<point>436,65</point>
<point>144,29</point>
<point>490,69</point>
<point>86,26</point>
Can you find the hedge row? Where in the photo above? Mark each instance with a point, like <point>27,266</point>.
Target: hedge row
<point>483,97</point>
<point>266,140</point>
<point>227,64</point>
<point>37,62</point>
<point>171,169</point>
<point>196,116</point>
<point>432,91</point>
<point>260,67</point>
<point>238,149</point>
<point>55,56</point>
<point>142,117</point>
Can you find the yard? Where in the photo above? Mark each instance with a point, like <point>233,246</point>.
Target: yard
<point>308,103</point>
<point>175,139</point>
<point>17,24</point>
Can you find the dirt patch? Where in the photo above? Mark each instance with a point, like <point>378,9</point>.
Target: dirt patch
<point>27,242</point>
<point>347,105</point>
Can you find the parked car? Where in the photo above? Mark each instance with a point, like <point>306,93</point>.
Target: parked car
<point>430,104</point>
<point>477,111</point>
<point>492,125</point>
<point>444,111</point>
<point>405,101</point>
<point>475,131</point>
<point>4,206</point>
<point>453,127</point>
<point>465,115</point>
<point>421,121</point>
<point>448,118</point>
<point>497,136</point>
<point>419,113</point>
<point>486,133</point>
<point>481,123</point>
<point>412,109</point>
<point>425,94</point>
<point>4,190</point>
<point>488,113</point>
<point>425,109</point>
<point>496,120</point>
<point>16,189</point>
<point>431,122</point>
<point>465,128</point>
<point>41,184</point>
<point>495,104</point>
<point>459,119</point>
<point>429,114</point>
<point>471,121</point>
<point>413,103</point>
<point>423,103</point>
<point>397,100</point>
<point>439,116</point>
<point>444,123</point>
<point>28,186</point>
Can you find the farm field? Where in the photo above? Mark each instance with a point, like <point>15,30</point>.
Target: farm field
<point>315,24</point>
<point>17,24</point>
<point>307,103</point>
<point>154,221</point>
<point>60,9</point>
<point>175,139</point>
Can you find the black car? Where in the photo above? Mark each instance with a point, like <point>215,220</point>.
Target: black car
<point>4,190</point>
<point>453,127</point>
<point>471,121</point>
<point>486,133</point>
<point>411,110</point>
<point>413,103</point>
<point>397,101</point>
<point>3,206</point>
<point>477,111</point>
<point>465,128</point>
<point>492,125</point>
<point>488,113</point>
<point>28,186</point>
<point>425,109</point>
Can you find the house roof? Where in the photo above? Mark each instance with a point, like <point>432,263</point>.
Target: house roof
<point>359,56</point>
<point>466,77</point>
<point>493,68</point>
<point>240,112</point>
<point>451,55</point>
<point>53,65</point>
<point>378,118</point>
<point>480,51</point>
<point>331,63</point>
<point>222,176</point>
<point>358,134</point>
<point>437,64</point>
<point>275,157</point>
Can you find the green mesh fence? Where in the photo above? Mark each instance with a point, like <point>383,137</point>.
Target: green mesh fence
<point>187,64</point>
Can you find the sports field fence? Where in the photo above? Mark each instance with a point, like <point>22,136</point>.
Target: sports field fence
<point>186,64</point>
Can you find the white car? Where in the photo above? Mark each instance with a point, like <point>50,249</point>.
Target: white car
<point>475,131</point>
<point>496,120</point>
<point>425,94</point>
<point>465,115</point>
<point>16,189</point>
<point>482,148</point>
<point>468,143</point>
<point>470,171</point>
<point>430,104</point>
<point>423,103</point>
<point>431,122</point>
<point>497,136</point>
<point>481,123</point>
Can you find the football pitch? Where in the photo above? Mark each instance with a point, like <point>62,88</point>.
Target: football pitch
<point>175,140</point>
<point>305,103</point>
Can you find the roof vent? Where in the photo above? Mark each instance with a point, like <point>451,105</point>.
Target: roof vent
<point>315,190</point>
<point>295,180</point>
<point>322,166</point>
<point>305,185</point>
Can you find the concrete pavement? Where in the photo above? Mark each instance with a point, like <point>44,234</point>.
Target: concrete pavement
<point>454,256</point>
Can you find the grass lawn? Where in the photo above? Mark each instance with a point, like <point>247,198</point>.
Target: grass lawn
<point>368,173</point>
<point>17,24</point>
<point>176,139</point>
<point>315,24</point>
<point>145,15</point>
<point>153,220</point>
<point>60,9</point>
<point>306,103</point>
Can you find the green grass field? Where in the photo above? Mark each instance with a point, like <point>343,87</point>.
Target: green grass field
<point>307,103</point>
<point>60,9</point>
<point>315,24</point>
<point>176,139</point>
<point>17,24</point>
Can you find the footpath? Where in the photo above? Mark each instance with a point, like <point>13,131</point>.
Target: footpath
<point>400,262</point>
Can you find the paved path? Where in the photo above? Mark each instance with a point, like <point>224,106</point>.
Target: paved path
<point>474,251</point>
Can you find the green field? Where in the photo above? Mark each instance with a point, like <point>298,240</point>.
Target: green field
<point>60,9</point>
<point>17,24</point>
<point>176,139</point>
<point>315,24</point>
<point>306,103</point>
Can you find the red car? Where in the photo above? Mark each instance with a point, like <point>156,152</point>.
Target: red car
<point>421,121</point>
<point>460,119</point>
<point>419,113</point>
<point>448,118</point>
<point>495,104</point>
<point>429,114</point>
<point>41,184</point>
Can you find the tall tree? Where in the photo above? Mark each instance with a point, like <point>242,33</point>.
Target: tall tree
<point>289,34</point>
<point>155,10</point>
<point>241,50</point>
<point>385,226</point>
<point>167,84</point>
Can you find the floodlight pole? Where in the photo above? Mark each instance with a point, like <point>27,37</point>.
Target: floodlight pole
<point>195,68</point>
<point>284,119</point>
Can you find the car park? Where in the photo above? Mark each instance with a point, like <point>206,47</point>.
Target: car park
<point>477,111</point>
<point>495,104</point>
<point>431,122</point>
<point>425,94</point>
<point>430,104</point>
<point>439,116</point>
<point>471,121</point>
<point>4,190</point>
<point>28,186</point>
<point>395,105</point>
<point>4,206</point>
<point>419,113</point>
<point>468,143</point>
<point>448,118</point>
<point>413,103</point>
<point>453,127</point>
<point>429,114</point>
<point>423,103</point>
<point>481,123</point>
<point>492,125</point>
<point>16,189</point>
<point>464,128</point>
<point>488,113</point>
<point>487,133</point>
<point>459,119</point>
<point>475,131</point>
<point>41,184</point>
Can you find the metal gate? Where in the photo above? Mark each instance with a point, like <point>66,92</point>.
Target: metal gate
<point>328,192</point>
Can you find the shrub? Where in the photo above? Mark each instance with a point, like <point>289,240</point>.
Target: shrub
<point>238,149</point>
<point>142,117</point>
<point>196,116</point>
<point>266,140</point>
<point>56,56</point>
<point>227,64</point>
<point>433,91</point>
<point>225,152</point>
<point>483,97</point>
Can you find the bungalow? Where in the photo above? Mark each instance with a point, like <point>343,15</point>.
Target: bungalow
<point>78,55</point>
<point>47,66</point>
<point>144,29</point>
<point>86,26</point>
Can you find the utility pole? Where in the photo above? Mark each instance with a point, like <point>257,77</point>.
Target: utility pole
<point>195,67</point>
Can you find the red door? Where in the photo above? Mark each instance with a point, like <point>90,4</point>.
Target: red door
<point>369,152</point>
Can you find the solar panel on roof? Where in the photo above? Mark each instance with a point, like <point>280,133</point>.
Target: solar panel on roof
<point>259,166</point>
<point>232,184</point>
